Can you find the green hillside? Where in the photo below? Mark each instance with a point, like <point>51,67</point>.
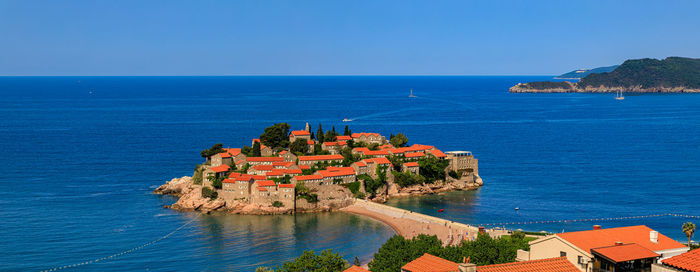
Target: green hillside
<point>581,73</point>
<point>649,73</point>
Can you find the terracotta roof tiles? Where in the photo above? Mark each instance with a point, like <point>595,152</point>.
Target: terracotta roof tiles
<point>559,264</point>
<point>625,252</point>
<point>430,263</point>
<point>586,240</point>
<point>320,158</point>
<point>689,261</point>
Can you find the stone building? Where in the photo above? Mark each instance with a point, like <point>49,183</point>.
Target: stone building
<point>334,147</point>
<point>463,162</point>
<point>368,137</point>
<point>265,151</point>
<point>313,160</point>
<point>374,163</point>
<point>360,167</point>
<point>288,156</point>
<point>263,160</point>
<point>411,167</point>
<point>299,134</point>
<point>217,171</point>
<point>308,179</point>
<point>341,174</point>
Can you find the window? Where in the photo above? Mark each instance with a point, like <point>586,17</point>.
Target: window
<point>562,254</point>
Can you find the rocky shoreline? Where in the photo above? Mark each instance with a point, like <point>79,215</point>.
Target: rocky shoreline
<point>335,197</point>
<point>573,88</point>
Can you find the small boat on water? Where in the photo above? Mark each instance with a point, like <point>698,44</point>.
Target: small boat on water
<point>619,96</point>
<point>347,120</point>
<point>411,95</point>
<point>441,210</point>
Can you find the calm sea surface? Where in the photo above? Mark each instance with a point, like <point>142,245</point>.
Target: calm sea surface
<point>78,168</point>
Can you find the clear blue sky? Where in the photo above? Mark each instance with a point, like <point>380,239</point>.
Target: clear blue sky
<point>339,37</point>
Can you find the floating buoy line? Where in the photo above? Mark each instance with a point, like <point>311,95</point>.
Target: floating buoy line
<point>590,219</point>
<point>114,256</point>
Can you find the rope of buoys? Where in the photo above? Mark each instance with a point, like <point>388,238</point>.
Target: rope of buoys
<point>113,256</point>
<point>590,219</point>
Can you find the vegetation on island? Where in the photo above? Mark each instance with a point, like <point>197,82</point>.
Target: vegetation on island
<point>398,140</point>
<point>578,74</point>
<point>540,85</point>
<point>432,168</point>
<point>209,193</point>
<point>213,150</point>
<point>303,192</point>
<point>276,136</point>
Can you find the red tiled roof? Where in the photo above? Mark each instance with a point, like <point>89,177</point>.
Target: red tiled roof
<point>274,173</point>
<point>420,147</point>
<point>361,164</point>
<point>376,153</point>
<point>233,151</point>
<point>262,189</point>
<point>320,158</point>
<point>342,138</point>
<point>265,159</point>
<point>283,152</point>
<point>247,177</point>
<point>308,177</point>
<point>357,135</point>
<point>689,261</point>
<point>398,150</point>
<point>234,175</point>
<point>430,263</point>
<point>304,167</point>
<point>411,164</point>
<point>293,171</point>
<point>310,142</point>
<point>339,143</point>
<point>438,153</point>
<point>225,155</point>
<point>263,167</point>
<point>386,146</point>
<point>284,164</point>
<point>623,253</point>
<point>415,155</point>
<point>228,180</point>
<point>220,168</point>
<point>356,268</point>
<point>300,133</point>
<point>340,171</point>
<point>286,185</point>
<point>559,264</point>
<point>381,160</point>
<point>586,240</point>
<point>265,183</point>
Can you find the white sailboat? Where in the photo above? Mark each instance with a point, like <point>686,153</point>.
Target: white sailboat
<point>619,96</point>
<point>411,95</point>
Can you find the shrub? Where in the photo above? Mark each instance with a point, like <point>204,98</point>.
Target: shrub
<point>354,187</point>
<point>208,192</point>
<point>455,175</point>
<point>432,168</point>
<point>405,179</point>
<point>197,176</point>
<point>277,204</point>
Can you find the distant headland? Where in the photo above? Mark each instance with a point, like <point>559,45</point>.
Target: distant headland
<point>670,75</point>
<point>300,171</point>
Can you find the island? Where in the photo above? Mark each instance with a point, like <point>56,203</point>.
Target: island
<point>670,75</point>
<point>295,171</point>
<point>581,73</point>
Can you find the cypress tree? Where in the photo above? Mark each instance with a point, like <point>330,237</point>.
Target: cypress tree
<point>256,149</point>
<point>347,131</point>
<point>319,134</point>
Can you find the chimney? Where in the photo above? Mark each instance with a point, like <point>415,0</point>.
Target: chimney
<point>596,227</point>
<point>654,236</point>
<point>466,265</point>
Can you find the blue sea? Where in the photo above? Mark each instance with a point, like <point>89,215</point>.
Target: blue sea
<point>79,157</point>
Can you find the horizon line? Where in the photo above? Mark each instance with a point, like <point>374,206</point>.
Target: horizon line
<point>276,75</point>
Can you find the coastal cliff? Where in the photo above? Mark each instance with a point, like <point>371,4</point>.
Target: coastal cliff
<point>670,75</point>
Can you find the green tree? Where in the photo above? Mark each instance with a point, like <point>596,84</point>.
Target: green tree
<point>346,132</point>
<point>399,140</point>
<point>688,229</point>
<point>357,260</point>
<point>405,179</point>
<point>216,181</point>
<point>215,149</point>
<point>208,192</point>
<point>257,149</point>
<point>319,134</point>
<point>197,176</point>
<point>327,261</point>
<point>299,146</point>
<point>432,168</point>
<point>276,136</point>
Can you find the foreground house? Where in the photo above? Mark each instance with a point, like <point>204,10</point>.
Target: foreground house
<point>686,262</point>
<point>632,248</point>
<point>430,263</point>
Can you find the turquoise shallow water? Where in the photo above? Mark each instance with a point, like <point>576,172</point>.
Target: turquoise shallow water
<point>78,169</point>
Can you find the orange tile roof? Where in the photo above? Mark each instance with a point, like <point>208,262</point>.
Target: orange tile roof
<point>234,175</point>
<point>356,268</point>
<point>220,168</point>
<point>304,167</point>
<point>310,142</point>
<point>381,160</point>
<point>262,189</point>
<point>338,143</point>
<point>559,264</point>
<point>300,133</point>
<point>247,177</point>
<point>225,155</point>
<point>263,167</point>
<point>625,252</point>
<point>398,150</point>
<point>320,158</point>
<point>357,135</point>
<point>430,263</point>
<point>275,173</point>
<point>284,164</point>
<point>438,153</point>
<point>689,261</point>
<point>420,147</point>
<point>337,172</point>
<point>308,177</point>
<point>376,153</point>
<point>233,151</point>
<point>361,164</point>
<point>292,171</point>
<point>415,155</point>
<point>228,180</point>
<point>342,138</point>
<point>286,185</point>
<point>586,240</point>
<point>265,159</point>
<point>265,183</point>
<point>411,164</point>
<point>283,152</point>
